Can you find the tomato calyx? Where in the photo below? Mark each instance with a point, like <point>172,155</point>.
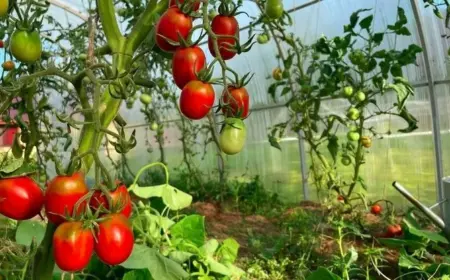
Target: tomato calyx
<point>229,9</point>
<point>188,7</point>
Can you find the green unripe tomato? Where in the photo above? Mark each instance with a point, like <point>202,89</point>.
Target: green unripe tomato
<point>274,9</point>
<point>277,74</point>
<point>360,96</point>
<point>353,136</point>
<point>347,91</point>
<point>154,126</point>
<point>353,114</point>
<point>145,99</point>
<point>262,38</point>
<point>346,160</point>
<point>26,46</point>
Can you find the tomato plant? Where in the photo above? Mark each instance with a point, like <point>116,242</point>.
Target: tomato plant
<point>62,194</point>
<point>20,198</point>
<point>196,99</point>
<point>115,239</point>
<point>73,246</point>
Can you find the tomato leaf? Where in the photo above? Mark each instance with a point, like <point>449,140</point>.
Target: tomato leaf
<point>428,235</point>
<point>29,230</point>
<point>410,119</point>
<point>333,146</point>
<point>217,267</point>
<point>175,199</point>
<point>180,256</point>
<point>191,228</point>
<point>323,274</point>
<point>274,142</point>
<point>159,266</point>
<point>147,192</point>
<point>141,274</point>
<point>366,22</point>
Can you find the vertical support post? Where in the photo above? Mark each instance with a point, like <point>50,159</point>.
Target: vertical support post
<point>303,165</point>
<point>446,204</point>
<point>434,105</point>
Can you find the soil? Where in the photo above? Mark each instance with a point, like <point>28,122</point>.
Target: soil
<point>222,224</point>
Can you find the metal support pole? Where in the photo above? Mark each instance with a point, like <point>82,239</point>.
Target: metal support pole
<point>303,165</point>
<point>434,105</point>
<point>446,204</point>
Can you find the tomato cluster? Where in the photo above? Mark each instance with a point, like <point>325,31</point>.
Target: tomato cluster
<point>21,198</point>
<point>191,74</point>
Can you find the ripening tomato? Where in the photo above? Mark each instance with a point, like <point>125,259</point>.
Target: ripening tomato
<point>237,104</point>
<point>340,198</point>
<point>228,26</point>
<point>119,197</point>
<point>232,137</point>
<point>26,46</point>
<point>73,246</point>
<point>62,193</point>
<point>172,23</point>
<point>4,5</point>
<point>376,209</point>
<point>394,230</point>
<point>8,65</point>
<point>366,141</point>
<point>195,4</point>
<point>115,239</point>
<point>20,198</point>
<point>196,99</point>
<point>186,63</point>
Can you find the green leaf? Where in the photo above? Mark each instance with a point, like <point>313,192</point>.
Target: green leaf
<point>191,228</point>
<point>217,267</point>
<point>410,119</point>
<point>429,235</point>
<point>351,256</point>
<point>180,256</point>
<point>210,247</point>
<point>228,251</point>
<point>409,262</point>
<point>437,13</point>
<point>323,274</point>
<point>159,266</point>
<point>366,22</point>
<point>400,243</point>
<point>378,38</point>
<point>333,146</point>
<point>142,274</point>
<point>29,229</point>
<point>176,199</point>
<point>172,197</point>
<point>147,192</point>
<point>362,182</point>
<point>274,142</point>
<point>403,31</point>
<point>403,91</point>
<point>401,15</point>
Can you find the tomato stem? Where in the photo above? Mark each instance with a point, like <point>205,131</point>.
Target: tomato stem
<point>44,263</point>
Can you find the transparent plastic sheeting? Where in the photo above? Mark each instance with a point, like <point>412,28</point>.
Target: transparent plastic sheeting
<point>408,158</point>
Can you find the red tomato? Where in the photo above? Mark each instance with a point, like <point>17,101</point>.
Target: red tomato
<point>172,23</point>
<point>237,105</point>
<point>340,198</point>
<point>196,99</point>
<point>115,239</point>
<point>224,25</point>
<point>186,63</point>
<point>62,194</point>
<point>376,209</point>
<point>120,199</point>
<point>195,6</point>
<point>20,198</point>
<point>394,230</point>
<point>73,246</point>
<point>2,44</point>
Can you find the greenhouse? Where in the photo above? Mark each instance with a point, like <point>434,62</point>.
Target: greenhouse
<point>224,139</point>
